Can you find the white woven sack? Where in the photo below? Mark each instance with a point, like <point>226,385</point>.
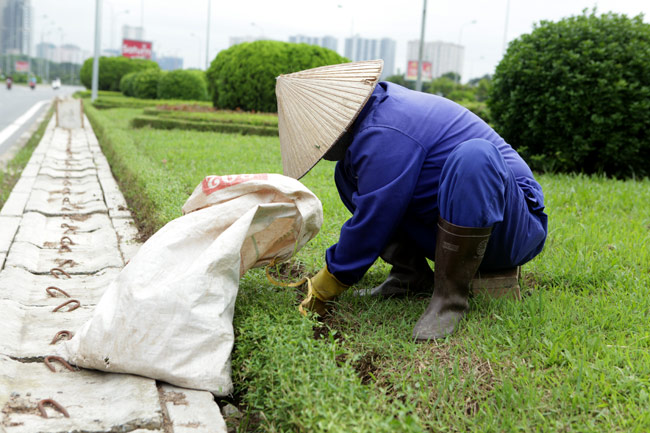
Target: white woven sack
<point>168,314</point>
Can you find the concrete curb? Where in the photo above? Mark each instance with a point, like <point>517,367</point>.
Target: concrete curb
<point>65,234</point>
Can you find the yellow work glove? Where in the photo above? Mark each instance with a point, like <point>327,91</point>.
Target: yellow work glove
<point>323,287</point>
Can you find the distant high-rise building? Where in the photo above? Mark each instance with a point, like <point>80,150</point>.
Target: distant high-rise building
<point>444,56</point>
<point>329,42</point>
<point>169,63</point>
<point>46,50</point>
<point>358,49</point>
<point>132,32</point>
<point>15,27</point>
<point>387,49</point>
<point>69,53</point>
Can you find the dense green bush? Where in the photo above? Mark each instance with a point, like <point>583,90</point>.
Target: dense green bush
<point>145,83</point>
<point>243,76</point>
<point>182,84</point>
<point>126,84</point>
<point>112,69</point>
<point>574,95</point>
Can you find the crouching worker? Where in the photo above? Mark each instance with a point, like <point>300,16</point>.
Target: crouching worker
<point>423,178</point>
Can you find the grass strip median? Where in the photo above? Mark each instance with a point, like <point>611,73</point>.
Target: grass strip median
<point>573,355</point>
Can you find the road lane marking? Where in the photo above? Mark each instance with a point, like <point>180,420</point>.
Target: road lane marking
<point>16,124</point>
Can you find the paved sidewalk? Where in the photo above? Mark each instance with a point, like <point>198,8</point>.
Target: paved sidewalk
<point>65,233</point>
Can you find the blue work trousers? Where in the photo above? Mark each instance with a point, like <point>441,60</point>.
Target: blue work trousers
<point>476,189</point>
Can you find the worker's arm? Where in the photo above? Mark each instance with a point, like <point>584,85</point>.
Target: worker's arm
<point>386,166</point>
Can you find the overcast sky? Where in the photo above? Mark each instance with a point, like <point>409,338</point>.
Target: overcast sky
<point>179,27</point>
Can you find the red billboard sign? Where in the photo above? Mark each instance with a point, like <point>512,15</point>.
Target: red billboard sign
<point>136,49</point>
<point>412,70</point>
<point>21,66</point>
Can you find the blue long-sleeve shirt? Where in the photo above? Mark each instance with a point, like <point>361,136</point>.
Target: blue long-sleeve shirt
<point>401,140</point>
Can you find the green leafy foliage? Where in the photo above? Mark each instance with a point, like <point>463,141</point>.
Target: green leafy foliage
<point>574,95</point>
<point>243,76</point>
<point>111,71</point>
<point>126,84</point>
<point>145,83</point>
<point>184,85</point>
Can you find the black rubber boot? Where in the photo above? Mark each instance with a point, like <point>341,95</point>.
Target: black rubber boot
<point>459,252</point>
<point>410,272</point>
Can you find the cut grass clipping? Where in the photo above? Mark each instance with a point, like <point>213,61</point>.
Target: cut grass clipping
<point>573,355</point>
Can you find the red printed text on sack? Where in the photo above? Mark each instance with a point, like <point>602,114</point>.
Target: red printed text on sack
<point>214,183</point>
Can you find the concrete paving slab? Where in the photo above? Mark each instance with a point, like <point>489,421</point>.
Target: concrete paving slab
<point>8,228</point>
<point>24,184</point>
<point>15,204</point>
<point>77,261</point>
<point>127,234</point>
<point>69,164</point>
<point>27,331</point>
<point>68,173</point>
<point>95,401</point>
<point>48,204</point>
<point>46,182</point>
<point>191,411</point>
<point>31,169</point>
<point>67,156</point>
<point>29,289</point>
<point>58,190</point>
<point>49,232</point>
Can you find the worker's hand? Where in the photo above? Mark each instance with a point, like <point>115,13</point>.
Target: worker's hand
<point>323,287</point>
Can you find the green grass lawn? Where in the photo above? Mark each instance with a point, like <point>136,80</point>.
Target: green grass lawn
<point>573,355</point>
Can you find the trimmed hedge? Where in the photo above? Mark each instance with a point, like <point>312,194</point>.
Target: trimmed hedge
<point>243,76</point>
<point>574,95</point>
<point>222,116</point>
<point>145,83</point>
<point>223,127</point>
<point>121,101</point>
<point>126,84</point>
<point>184,85</point>
<point>111,71</point>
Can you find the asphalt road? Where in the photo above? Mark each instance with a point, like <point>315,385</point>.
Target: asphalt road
<point>21,106</point>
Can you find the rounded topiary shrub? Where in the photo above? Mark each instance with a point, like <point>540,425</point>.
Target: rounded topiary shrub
<point>111,71</point>
<point>243,76</point>
<point>145,83</point>
<point>182,84</point>
<point>126,83</point>
<point>574,95</point>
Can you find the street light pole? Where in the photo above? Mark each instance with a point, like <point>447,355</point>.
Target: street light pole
<point>418,83</point>
<point>98,28</point>
<point>207,39</point>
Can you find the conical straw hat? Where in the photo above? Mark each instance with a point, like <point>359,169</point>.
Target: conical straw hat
<point>315,108</point>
